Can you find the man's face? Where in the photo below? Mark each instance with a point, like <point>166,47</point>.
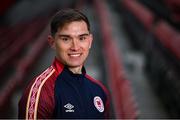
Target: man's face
<point>72,43</point>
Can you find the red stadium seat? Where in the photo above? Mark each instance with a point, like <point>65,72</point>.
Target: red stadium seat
<point>31,31</point>
<point>169,37</point>
<point>124,104</point>
<point>143,14</point>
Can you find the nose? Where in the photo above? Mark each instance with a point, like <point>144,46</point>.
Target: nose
<point>75,45</point>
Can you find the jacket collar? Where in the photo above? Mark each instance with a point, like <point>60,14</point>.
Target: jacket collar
<point>58,66</point>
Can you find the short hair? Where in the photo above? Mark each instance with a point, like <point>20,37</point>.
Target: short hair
<point>65,16</point>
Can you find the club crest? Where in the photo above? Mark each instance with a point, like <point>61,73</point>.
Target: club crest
<point>98,103</point>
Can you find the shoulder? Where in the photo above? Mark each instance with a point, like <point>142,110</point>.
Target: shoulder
<point>36,92</point>
<point>106,92</point>
<point>99,83</point>
<point>45,77</point>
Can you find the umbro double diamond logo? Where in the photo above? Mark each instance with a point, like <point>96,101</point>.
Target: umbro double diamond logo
<point>69,107</point>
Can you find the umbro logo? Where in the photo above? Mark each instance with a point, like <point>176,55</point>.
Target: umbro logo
<point>69,107</point>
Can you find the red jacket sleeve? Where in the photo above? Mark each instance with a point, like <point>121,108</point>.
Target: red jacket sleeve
<point>37,101</point>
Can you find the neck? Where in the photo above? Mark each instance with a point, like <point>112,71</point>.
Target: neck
<point>76,70</point>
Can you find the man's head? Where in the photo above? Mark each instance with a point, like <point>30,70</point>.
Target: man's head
<point>70,37</point>
<point>66,16</point>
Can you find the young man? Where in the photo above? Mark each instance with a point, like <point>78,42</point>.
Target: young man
<point>64,90</point>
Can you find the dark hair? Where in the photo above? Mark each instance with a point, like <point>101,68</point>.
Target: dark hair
<point>66,16</point>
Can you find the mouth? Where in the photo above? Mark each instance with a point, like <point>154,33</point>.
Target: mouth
<point>75,55</point>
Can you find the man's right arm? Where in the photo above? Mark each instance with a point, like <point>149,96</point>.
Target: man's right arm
<point>37,101</point>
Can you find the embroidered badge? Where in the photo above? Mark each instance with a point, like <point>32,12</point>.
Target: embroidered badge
<point>98,103</point>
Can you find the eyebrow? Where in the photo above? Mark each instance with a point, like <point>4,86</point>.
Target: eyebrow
<point>85,34</point>
<point>64,35</point>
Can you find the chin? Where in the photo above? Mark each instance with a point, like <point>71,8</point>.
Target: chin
<point>75,64</point>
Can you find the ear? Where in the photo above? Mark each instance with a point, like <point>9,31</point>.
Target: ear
<point>90,40</point>
<point>51,41</point>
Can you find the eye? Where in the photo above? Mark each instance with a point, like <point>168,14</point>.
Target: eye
<point>82,38</point>
<point>65,39</point>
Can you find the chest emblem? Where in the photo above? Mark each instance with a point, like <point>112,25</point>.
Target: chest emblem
<point>69,107</point>
<point>98,103</point>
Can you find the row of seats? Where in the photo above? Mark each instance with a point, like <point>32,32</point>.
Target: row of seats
<point>17,39</point>
<point>123,102</point>
<point>159,39</point>
<point>167,35</point>
<point>5,5</point>
<point>168,10</point>
<point>22,44</point>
